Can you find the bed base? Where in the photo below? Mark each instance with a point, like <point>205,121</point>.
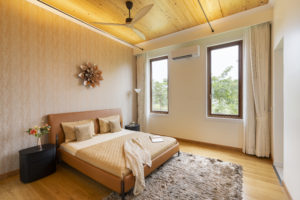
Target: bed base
<point>115,183</point>
<point>122,190</point>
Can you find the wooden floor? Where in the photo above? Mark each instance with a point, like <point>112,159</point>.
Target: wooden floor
<point>260,181</point>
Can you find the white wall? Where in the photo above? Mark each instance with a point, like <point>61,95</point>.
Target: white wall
<point>187,100</point>
<point>278,106</point>
<point>287,26</point>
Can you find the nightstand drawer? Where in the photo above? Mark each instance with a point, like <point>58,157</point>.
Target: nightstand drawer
<point>35,163</point>
<point>41,169</point>
<point>36,157</point>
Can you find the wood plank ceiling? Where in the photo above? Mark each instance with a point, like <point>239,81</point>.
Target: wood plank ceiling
<point>165,17</point>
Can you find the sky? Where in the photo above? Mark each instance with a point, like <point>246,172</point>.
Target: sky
<point>159,72</point>
<point>222,58</point>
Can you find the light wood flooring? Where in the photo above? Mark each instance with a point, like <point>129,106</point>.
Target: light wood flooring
<point>260,181</point>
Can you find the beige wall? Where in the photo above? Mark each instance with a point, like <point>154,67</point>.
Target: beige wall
<point>39,57</point>
<point>286,26</point>
<point>187,117</point>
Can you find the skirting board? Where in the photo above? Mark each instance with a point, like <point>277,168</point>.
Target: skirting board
<point>210,144</point>
<point>286,190</point>
<point>8,174</point>
<point>277,174</point>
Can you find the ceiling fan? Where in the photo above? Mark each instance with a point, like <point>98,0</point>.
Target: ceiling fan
<point>131,21</point>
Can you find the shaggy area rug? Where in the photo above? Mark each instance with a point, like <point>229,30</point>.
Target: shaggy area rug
<point>191,177</point>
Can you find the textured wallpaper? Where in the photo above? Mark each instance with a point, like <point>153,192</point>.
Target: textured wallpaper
<point>40,53</point>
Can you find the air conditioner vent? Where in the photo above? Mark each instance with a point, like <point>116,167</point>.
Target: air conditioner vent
<point>187,52</point>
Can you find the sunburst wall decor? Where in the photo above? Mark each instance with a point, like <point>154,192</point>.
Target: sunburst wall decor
<point>90,74</point>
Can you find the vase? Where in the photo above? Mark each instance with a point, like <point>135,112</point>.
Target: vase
<point>39,144</point>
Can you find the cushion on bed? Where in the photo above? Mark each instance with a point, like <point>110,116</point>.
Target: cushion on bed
<point>104,123</point>
<point>115,125</point>
<point>68,128</point>
<point>84,131</point>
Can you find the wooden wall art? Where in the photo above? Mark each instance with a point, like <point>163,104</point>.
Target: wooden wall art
<point>90,74</point>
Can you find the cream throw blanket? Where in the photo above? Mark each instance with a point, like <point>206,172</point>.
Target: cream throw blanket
<point>135,157</point>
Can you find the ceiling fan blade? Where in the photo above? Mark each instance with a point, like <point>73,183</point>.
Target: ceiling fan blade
<point>110,24</point>
<point>141,13</point>
<point>139,33</point>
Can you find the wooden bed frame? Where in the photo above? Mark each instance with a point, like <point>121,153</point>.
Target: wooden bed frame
<point>115,183</point>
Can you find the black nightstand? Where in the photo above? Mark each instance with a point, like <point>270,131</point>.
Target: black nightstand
<point>133,127</point>
<point>36,164</point>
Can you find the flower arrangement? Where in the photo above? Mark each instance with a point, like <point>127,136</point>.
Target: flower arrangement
<point>39,131</point>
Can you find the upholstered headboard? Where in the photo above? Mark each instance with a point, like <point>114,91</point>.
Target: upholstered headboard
<point>55,120</point>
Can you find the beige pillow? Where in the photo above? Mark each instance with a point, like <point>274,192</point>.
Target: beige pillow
<point>68,128</point>
<point>104,123</point>
<point>115,125</point>
<point>84,131</point>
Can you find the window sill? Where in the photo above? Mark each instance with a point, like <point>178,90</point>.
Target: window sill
<point>237,120</point>
<point>153,114</point>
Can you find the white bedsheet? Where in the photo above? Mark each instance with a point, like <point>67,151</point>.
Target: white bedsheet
<point>73,147</point>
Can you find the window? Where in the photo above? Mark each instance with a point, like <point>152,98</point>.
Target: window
<point>159,93</point>
<point>225,80</point>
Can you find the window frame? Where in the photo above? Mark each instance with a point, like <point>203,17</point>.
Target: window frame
<point>240,76</point>
<point>151,60</point>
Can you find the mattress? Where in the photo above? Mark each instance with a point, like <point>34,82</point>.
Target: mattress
<point>105,151</point>
<point>73,147</point>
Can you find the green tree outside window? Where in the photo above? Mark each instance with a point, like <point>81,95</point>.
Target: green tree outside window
<point>225,94</point>
<point>160,95</point>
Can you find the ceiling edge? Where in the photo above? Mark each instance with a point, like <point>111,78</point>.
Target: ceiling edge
<point>79,22</point>
<point>243,19</point>
<point>271,2</point>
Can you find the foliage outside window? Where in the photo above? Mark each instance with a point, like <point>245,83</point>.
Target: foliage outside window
<point>225,80</point>
<point>159,85</point>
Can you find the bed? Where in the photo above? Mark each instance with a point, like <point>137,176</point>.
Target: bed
<point>120,182</point>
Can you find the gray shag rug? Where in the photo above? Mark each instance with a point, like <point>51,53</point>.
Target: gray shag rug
<point>191,177</point>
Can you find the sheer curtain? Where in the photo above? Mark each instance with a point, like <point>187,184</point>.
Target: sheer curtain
<point>141,84</point>
<point>257,92</point>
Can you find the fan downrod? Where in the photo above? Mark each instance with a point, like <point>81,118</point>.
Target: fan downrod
<point>129,5</point>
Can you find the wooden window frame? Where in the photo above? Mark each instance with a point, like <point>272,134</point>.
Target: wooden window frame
<point>151,60</point>
<point>240,68</point>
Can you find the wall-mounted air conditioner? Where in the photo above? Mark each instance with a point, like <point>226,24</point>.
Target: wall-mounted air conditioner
<point>187,52</point>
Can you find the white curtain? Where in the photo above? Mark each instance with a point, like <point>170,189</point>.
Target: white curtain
<point>257,95</point>
<point>249,108</point>
<point>141,84</point>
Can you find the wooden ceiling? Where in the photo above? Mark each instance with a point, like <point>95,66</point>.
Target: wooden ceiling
<point>165,17</point>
